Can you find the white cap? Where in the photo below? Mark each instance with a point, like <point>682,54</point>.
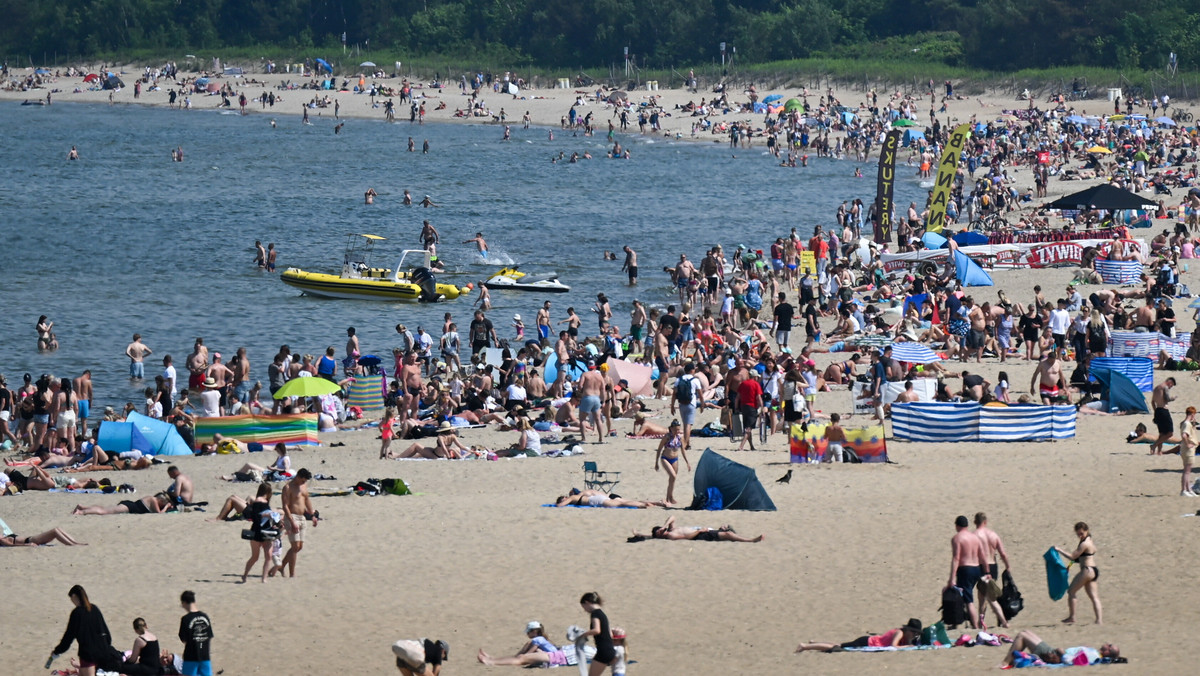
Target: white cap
<point>532,625</point>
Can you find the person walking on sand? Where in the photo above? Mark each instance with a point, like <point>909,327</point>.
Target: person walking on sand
<point>1085,556</point>
<point>966,565</point>
<point>196,633</point>
<point>667,456</point>
<point>606,653</point>
<point>297,510</point>
<point>993,547</point>
<point>1159,400</point>
<point>87,627</point>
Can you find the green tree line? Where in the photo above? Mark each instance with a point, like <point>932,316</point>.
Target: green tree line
<point>997,35</point>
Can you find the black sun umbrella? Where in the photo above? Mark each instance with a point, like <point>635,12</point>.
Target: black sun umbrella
<point>1103,196</point>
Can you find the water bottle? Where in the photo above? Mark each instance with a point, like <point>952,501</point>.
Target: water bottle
<point>50,660</point>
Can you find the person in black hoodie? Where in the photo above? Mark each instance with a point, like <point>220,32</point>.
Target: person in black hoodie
<point>86,626</point>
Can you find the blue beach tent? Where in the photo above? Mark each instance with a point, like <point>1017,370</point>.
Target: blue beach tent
<point>1120,392</point>
<point>162,436</point>
<point>968,271</point>
<point>122,437</point>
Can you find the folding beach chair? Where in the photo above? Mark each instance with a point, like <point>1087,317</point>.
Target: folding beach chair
<point>595,479</point>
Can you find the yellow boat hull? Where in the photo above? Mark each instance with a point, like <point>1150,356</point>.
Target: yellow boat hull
<point>333,286</point>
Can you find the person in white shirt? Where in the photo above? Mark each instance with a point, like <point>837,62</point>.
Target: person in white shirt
<point>1060,322</point>
<point>169,377</point>
<point>210,399</point>
<point>515,394</point>
<point>424,348</point>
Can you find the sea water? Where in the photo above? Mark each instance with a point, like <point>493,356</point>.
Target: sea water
<point>125,240</point>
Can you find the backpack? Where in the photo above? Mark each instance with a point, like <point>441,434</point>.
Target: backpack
<point>683,390</point>
<point>1010,599</point>
<point>954,607</point>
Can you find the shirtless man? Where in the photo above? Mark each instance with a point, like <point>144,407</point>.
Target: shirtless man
<point>137,352</point>
<point>197,365</point>
<point>222,376</point>
<point>260,254</point>
<point>543,323</point>
<point>977,337</point>
<point>630,266</point>
<point>241,376</point>
<point>637,327</point>
<point>662,355</point>
<point>565,416</point>
<point>1159,399</point>
<point>909,395</point>
<point>592,393</point>
<point>1047,378</point>
<point>712,270</point>
<point>967,557</point>
<point>181,489</point>
<point>1143,317</point>
<point>83,390</point>
<point>351,343</point>
<point>479,242</point>
<point>993,546</point>
<point>429,236</point>
<point>684,271</point>
<point>297,509</point>
<point>411,383</point>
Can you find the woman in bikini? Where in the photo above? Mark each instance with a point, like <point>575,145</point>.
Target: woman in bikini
<point>667,455</point>
<point>1085,556</point>
<point>642,428</point>
<point>153,504</point>
<point>669,531</point>
<point>52,535</point>
<point>594,498</point>
<point>448,446</point>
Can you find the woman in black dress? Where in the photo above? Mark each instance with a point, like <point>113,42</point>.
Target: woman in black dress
<point>606,653</point>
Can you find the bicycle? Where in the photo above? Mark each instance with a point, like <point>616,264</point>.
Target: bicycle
<point>1182,116</point>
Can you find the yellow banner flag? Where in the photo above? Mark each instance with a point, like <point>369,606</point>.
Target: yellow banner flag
<point>947,167</point>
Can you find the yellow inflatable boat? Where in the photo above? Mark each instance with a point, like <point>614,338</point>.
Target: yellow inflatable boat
<point>411,280</point>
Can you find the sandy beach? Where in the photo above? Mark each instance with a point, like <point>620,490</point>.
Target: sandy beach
<point>474,555</point>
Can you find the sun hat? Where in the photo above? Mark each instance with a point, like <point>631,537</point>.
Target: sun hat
<point>210,383</point>
<point>516,317</point>
<point>914,625</point>
<point>532,625</point>
<point>618,633</point>
<point>444,426</point>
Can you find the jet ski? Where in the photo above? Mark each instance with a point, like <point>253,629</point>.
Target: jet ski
<point>513,279</point>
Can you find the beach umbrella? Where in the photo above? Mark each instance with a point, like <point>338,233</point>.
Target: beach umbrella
<point>914,353</point>
<point>325,64</point>
<point>1099,149</point>
<point>1194,304</point>
<point>904,122</point>
<point>772,98</point>
<point>1007,117</point>
<point>1165,120</point>
<point>613,97</point>
<point>202,81</point>
<point>1114,118</point>
<point>1076,119</point>
<point>92,78</point>
<point>1103,196</point>
<point>367,64</point>
<point>306,387</point>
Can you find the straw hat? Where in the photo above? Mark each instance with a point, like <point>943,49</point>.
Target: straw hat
<point>445,426</point>
<point>210,383</point>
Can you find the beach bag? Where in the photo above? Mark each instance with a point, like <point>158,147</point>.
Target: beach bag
<point>954,607</point>
<point>411,654</point>
<point>395,487</point>
<point>1010,599</point>
<point>715,501</point>
<point>934,634</point>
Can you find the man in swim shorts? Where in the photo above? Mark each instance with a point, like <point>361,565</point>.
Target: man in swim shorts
<point>966,565</point>
<point>630,265</point>
<point>1159,400</point>
<point>543,323</point>
<point>1047,377</point>
<point>592,391</point>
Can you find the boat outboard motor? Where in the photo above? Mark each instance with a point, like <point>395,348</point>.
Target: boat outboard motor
<point>424,278</point>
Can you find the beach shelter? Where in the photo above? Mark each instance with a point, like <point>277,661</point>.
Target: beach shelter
<point>513,88</point>
<point>1120,392</point>
<point>323,64</point>
<point>122,437</point>
<point>968,238</point>
<point>933,240</point>
<point>793,105</point>
<point>366,392</point>
<point>617,96</point>
<point>968,271</point>
<point>912,135</point>
<point>113,82</point>
<point>772,98</point>
<point>550,370</point>
<point>162,436</point>
<point>738,484</point>
<point>638,376</point>
<point>92,77</point>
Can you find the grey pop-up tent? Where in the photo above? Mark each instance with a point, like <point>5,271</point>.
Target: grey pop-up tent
<point>738,484</point>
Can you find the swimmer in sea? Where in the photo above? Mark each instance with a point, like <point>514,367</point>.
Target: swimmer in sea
<point>479,242</point>
<point>370,195</point>
<point>74,154</point>
<point>427,202</point>
<point>407,198</point>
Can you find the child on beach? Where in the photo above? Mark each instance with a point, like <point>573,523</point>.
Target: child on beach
<point>836,437</point>
<point>519,327</point>
<point>386,432</point>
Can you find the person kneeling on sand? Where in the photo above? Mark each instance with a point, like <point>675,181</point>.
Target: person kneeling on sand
<point>594,498</point>
<point>668,531</point>
<point>414,656</point>
<point>1030,646</point>
<point>893,638</point>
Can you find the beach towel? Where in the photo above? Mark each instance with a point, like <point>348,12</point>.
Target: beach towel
<point>1057,577</point>
<point>644,436</point>
<point>551,504</point>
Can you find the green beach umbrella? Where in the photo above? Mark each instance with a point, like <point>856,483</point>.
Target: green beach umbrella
<point>793,105</point>
<point>306,387</point>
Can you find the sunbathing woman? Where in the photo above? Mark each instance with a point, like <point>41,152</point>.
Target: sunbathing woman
<point>842,373</point>
<point>448,446</point>
<point>668,531</point>
<point>54,534</point>
<point>233,505</point>
<point>641,428</point>
<point>282,465</point>
<point>538,651</point>
<point>890,639</point>
<point>594,498</point>
<point>152,504</point>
